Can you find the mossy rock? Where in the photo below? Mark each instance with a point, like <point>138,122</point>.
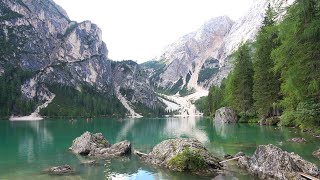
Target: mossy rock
<point>187,160</point>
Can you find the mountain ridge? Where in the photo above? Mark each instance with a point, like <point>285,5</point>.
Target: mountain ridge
<point>38,37</point>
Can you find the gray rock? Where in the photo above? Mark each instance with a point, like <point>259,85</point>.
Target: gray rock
<point>96,145</point>
<point>270,162</point>
<point>225,115</point>
<point>239,154</point>
<point>59,170</point>
<point>297,140</point>
<point>168,153</point>
<point>90,163</point>
<point>316,154</point>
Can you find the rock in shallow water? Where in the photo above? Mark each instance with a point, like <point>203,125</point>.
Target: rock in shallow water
<point>225,115</point>
<point>96,145</point>
<point>59,170</point>
<point>316,154</point>
<point>270,162</point>
<point>182,155</point>
<point>297,140</point>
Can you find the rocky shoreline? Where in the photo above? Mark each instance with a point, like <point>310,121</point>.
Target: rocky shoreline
<point>190,156</point>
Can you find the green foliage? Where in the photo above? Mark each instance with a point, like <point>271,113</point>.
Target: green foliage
<point>185,91</point>
<point>266,83</point>
<point>87,103</point>
<point>188,160</point>
<point>128,93</point>
<point>298,61</point>
<point>241,80</point>
<point>214,101</point>
<point>286,76</point>
<point>154,64</point>
<point>7,14</point>
<point>11,101</point>
<point>174,89</point>
<point>201,104</point>
<point>149,112</point>
<point>207,73</point>
<point>248,117</point>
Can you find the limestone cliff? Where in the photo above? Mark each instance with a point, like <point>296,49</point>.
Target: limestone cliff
<point>37,36</point>
<point>203,58</point>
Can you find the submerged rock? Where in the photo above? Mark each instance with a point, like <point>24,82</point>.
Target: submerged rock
<point>59,170</point>
<point>270,162</point>
<point>272,121</point>
<point>225,115</point>
<point>182,154</point>
<point>96,145</point>
<point>316,154</point>
<point>297,140</point>
<point>90,163</point>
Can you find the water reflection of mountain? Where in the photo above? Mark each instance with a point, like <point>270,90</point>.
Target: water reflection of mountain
<point>32,137</point>
<point>186,126</point>
<point>146,133</point>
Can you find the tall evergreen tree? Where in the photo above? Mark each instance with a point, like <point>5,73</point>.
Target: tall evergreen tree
<point>241,82</point>
<point>266,86</point>
<point>298,61</point>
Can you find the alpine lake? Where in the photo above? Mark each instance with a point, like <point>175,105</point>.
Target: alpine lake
<point>28,147</point>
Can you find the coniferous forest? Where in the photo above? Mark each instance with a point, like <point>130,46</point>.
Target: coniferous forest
<point>278,75</point>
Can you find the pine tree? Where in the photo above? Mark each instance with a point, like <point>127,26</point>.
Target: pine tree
<point>241,82</point>
<point>266,87</point>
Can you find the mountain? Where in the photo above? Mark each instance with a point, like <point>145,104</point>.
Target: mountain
<point>53,53</point>
<point>203,58</point>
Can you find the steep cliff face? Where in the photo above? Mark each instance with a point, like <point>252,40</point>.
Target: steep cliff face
<point>133,88</point>
<point>203,58</point>
<point>38,37</point>
<point>184,59</point>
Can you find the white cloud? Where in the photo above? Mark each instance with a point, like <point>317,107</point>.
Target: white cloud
<point>140,29</point>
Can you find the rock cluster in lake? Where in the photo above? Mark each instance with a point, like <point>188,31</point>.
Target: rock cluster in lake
<point>225,115</point>
<point>270,162</point>
<point>59,170</point>
<point>182,154</point>
<point>89,144</point>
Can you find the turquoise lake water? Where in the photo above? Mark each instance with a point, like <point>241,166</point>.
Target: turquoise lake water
<point>28,147</point>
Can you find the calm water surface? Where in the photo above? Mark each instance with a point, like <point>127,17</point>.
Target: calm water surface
<point>28,147</point>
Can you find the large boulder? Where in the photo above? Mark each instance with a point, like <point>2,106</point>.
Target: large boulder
<point>182,154</point>
<point>96,145</point>
<point>225,115</point>
<point>270,162</point>
<point>59,170</point>
<point>316,154</point>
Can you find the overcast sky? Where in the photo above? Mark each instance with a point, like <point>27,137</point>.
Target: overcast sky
<point>140,29</point>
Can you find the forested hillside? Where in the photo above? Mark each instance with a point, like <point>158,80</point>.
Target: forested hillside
<point>279,74</point>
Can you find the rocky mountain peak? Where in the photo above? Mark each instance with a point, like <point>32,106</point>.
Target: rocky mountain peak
<point>185,57</point>
<point>202,58</point>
